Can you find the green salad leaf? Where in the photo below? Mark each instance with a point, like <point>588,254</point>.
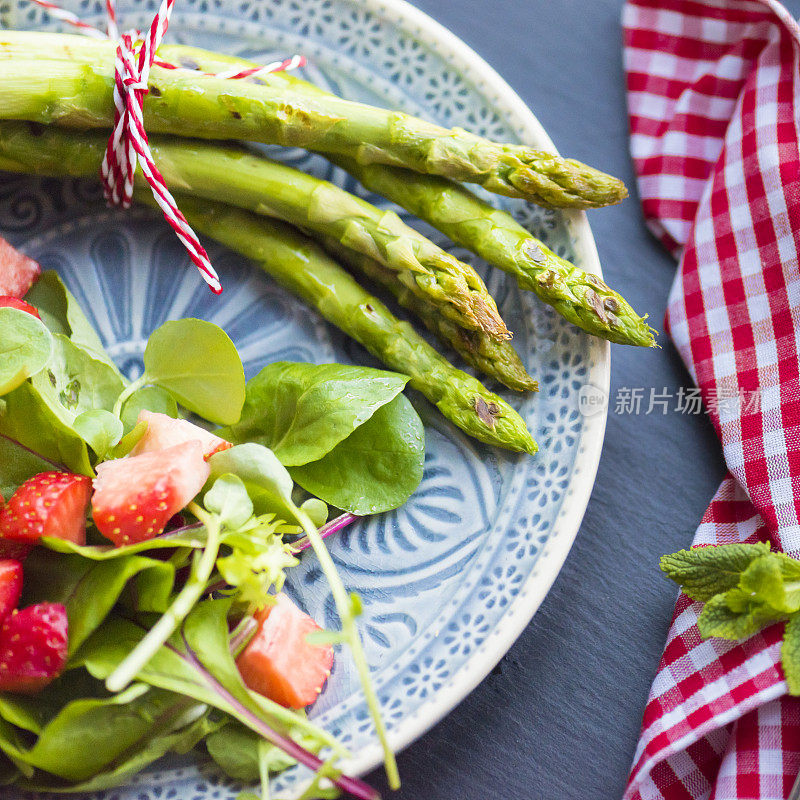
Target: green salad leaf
<point>302,411</point>
<point>130,440</point>
<point>89,589</point>
<point>267,481</point>
<point>229,500</point>
<point>100,429</point>
<point>62,314</point>
<point>198,364</point>
<point>149,398</point>
<point>28,418</point>
<point>33,712</point>
<point>89,734</point>
<point>316,509</point>
<point>376,468</point>
<point>190,538</point>
<point>237,750</point>
<point>76,380</point>
<point>186,728</point>
<point>17,464</point>
<point>25,347</point>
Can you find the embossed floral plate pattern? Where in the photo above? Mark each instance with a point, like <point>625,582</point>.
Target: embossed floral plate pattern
<point>451,579</point>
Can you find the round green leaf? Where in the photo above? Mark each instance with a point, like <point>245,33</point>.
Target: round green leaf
<point>149,398</point>
<point>302,411</point>
<point>374,469</point>
<point>197,363</point>
<point>317,511</point>
<point>99,428</point>
<point>25,347</point>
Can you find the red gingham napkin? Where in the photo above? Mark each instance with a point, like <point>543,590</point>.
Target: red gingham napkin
<point>714,100</point>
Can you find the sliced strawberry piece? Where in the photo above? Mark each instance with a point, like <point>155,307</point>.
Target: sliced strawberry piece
<point>33,647</point>
<point>279,663</point>
<point>21,305</point>
<point>48,504</point>
<point>135,497</point>
<point>17,272</point>
<point>10,585</point>
<point>164,432</point>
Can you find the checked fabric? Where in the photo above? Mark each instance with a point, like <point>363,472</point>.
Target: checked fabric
<point>714,103</point>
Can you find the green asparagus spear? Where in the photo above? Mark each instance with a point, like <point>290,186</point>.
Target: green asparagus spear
<point>68,80</point>
<point>266,187</point>
<point>496,236</point>
<point>498,360</point>
<point>302,267</point>
<point>276,190</point>
<point>579,296</point>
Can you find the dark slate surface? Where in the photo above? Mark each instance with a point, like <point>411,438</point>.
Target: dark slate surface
<point>559,717</point>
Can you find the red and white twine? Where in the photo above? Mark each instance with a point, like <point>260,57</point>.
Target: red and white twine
<point>128,144</point>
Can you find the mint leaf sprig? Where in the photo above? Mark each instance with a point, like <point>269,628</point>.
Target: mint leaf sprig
<point>745,587</point>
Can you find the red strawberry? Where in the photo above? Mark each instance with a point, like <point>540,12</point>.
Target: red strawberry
<point>21,305</point>
<point>10,585</point>
<point>135,497</point>
<point>48,504</point>
<point>163,432</point>
<point>33,647</point>
<point>17,272</point>
<point>279,663</point>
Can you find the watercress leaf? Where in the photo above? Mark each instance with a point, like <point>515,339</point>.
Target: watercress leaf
<point>75,380</point>
<point>790,654</point>
<point>25,347</point>
<point>28,419</point>
<point>11,742</point>
<point>17,464</point>
<point>100,429</point>
<point>302,411</point>
<point>228,499</point>
<point>87,735</point>
<point>703,572</point>
<point>198,364</point>
<point>143,753</point>
<point>149,398</point>
<point>130,440</point>
<point>61,313</point>
<point>236,750</point>
<point>317,510</point>
<point>376,468</point>
<point>267,480</point>
<point>89,589</point>
<point>33,712</point>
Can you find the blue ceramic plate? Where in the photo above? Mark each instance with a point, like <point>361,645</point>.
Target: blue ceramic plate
<point>451,579</point>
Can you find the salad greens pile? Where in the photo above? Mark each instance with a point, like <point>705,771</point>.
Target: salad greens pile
<point>745,587</point>
<point>155,626</point>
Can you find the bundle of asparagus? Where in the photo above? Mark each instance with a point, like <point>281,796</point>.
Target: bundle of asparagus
<point>235,196</point>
